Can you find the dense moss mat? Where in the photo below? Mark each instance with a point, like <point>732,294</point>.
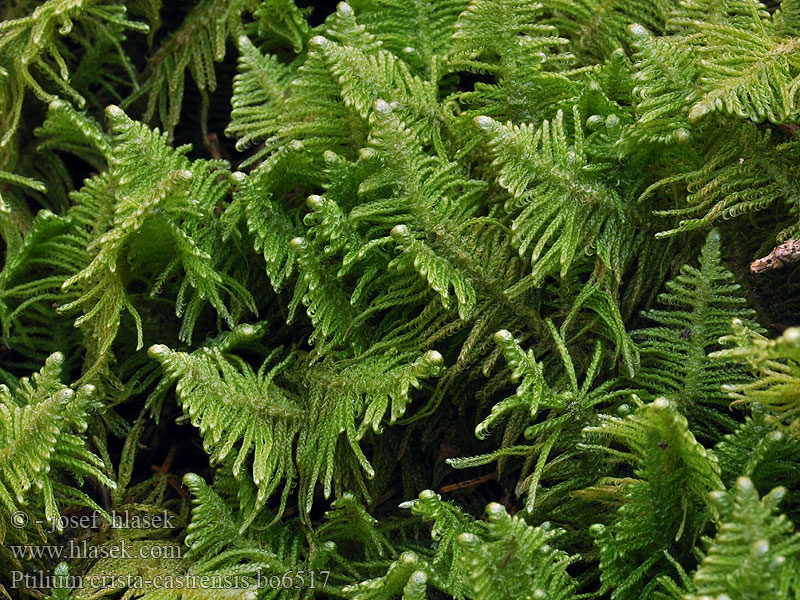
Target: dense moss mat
<point>400,298</point>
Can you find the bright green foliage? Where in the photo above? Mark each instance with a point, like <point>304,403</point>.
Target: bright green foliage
<point>210,564</point>
<point>405,577</point>
<point>342,393</point>
<point>449,522</point>
<point>499,37</point>
<point>25,293</point>
<point>559,203</point>
<point>516,560</point>
<point>75,132</point>
<point>700,303</point>
<point>31,45</point>
<point>229,403</point>
<point>565,402</point>
<point>311,98</point>
<point>36,437</point>
<point>144,224</point>
<point>196,45</point>
<point>215,549</point>
<point>757,451</point>
<point>736,174</point>
<point>391,263</point>
<point>283,19</point>
<point>753,554</point>
<point>664,508</point>
<point>747,62</point>
<point>439,273</point>
<point>487,30</point>
<point>419,31</point>
<point>61,589</point>
<point>776,367</point>
<point>742,59</point>
<point>664,77</point>
<point>55,245</point>
<point>259,88</point>
<point>532,389</point>
<point>723,58</point>
<point>348,520</point>
<point>504,558</point>
<point>597,29</point>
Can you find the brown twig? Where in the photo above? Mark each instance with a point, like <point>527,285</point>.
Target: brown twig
<point>785,254</point>
<point>469,483</point>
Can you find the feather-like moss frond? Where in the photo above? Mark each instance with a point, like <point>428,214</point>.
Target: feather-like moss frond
<point>37,422</point>
<point>516,559</point>
<point>159,225</point>
<point>560,203</point>
<point>31,52</point>
<point>260,416</point>
<point>776,367</point>
<point>664,508</point>
<point>753,554</point>
<point>699,305</point>
<point>196,45</point>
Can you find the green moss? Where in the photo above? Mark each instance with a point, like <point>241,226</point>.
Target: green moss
<point>415,299</point>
